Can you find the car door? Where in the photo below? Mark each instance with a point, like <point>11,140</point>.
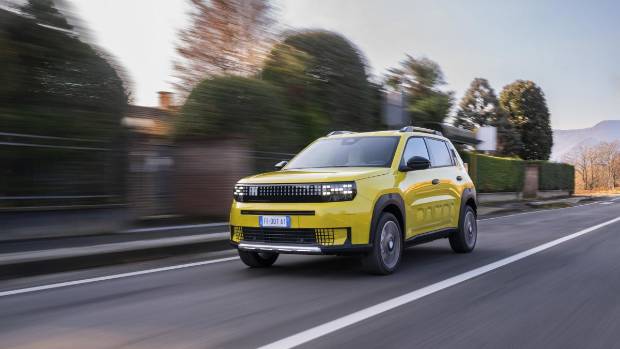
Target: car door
<point>418,190</point>
<point>446,197</point>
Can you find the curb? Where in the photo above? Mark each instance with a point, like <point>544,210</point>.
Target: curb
<point>22,264</point>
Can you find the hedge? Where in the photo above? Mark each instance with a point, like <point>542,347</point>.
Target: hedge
<point>495,174</point>
<point>555,176</point>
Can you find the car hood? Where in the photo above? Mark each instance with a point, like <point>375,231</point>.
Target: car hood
<point>314,175</point>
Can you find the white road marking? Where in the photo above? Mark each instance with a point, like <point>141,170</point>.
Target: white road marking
<point>361,315</point>
<point>536,211</point>
<point>112,277</point>
<point>176,227</point>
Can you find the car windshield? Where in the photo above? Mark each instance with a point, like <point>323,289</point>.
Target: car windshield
<point>347,152</point>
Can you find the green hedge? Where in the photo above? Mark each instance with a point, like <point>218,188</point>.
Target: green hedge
<point>555,176</point>
<point>494,174</point>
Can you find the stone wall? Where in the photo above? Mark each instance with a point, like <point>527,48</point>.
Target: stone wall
<point>205,173</point>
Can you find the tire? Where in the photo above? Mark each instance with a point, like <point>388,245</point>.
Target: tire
<point>387,246</point>
<point>258,259</point>
<point>464,239</point>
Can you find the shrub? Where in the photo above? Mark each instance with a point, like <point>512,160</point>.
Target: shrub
<point>494,174</point>
<point>555,176</point>
<point>236,106</point>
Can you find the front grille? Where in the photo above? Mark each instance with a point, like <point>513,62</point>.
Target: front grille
<point>279,235</point>
<point>283,193</point>
<point>303,236</point>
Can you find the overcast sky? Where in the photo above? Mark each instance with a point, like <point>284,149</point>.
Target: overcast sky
<point>569,48</point>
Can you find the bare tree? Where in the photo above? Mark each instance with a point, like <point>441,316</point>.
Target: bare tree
<point>597,167</point>
<point>607,152</point>
<point>225,37</point>
<point>616,170</point>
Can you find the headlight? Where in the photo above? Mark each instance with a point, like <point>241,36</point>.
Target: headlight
<point>306,192</point>
<point>338,191</point>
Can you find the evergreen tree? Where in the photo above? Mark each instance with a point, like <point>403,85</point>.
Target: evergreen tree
<point>478,107</point>
<point>527,111</point>
<point>324,78</point>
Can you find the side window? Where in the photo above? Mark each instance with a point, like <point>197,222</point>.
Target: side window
<point>440,156</point>
<point>415,147</point>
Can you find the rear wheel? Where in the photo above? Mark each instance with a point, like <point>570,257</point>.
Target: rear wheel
<point>387,247</point>
<point>464,239</point>
<point>258,259</point>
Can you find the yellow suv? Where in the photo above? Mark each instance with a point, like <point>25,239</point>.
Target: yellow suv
<point>370,194</point>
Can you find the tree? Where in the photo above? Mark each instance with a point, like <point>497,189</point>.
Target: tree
<point>421,79</point>
<point>58,85</point>
<point>606,158</point>
<point>583,159</point>
<point>597,166</point>
<point>236,106</point>
<point>528,113</point>
<point>225,37</point>
<point>508,138</point>
<point>478,107</point>
<point>324,79</point>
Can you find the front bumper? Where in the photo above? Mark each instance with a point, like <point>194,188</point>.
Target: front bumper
<point>301,249</point>
<point>350,220</point>
<point>295,241</point>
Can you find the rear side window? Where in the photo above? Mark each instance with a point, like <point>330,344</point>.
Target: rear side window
<point>415,147</point>
<point>440,155</point>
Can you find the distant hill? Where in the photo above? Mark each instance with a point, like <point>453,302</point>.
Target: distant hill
<point>566,140</point>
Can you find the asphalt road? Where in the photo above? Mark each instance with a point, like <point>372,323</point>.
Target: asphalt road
<point>564,296</point>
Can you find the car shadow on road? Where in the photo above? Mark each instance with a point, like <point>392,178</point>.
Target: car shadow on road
<point>350,267</point>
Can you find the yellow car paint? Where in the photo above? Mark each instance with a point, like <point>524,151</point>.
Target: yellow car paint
<point>428,207</point>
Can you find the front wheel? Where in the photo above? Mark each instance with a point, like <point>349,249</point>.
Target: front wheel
<point>464,239</point>
<point>387,247</point>
<point>258,259</point>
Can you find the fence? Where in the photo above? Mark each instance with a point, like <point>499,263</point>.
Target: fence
<point>48,171</point>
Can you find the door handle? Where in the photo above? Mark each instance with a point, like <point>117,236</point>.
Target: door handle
<point>459,178</point>
<point>435,181</point>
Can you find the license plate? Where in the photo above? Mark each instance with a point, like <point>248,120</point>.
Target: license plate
<point>274,221</point>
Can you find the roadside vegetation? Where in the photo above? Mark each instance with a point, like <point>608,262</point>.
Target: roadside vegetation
<point>597,167</point>
<point>503,174</point>
<point>61,104</point>
<point>324,84</point>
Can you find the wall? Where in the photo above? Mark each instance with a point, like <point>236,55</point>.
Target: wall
<point>205,173</point>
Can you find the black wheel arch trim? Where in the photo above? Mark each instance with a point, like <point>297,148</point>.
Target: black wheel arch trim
<point>384,201</point>
<point>468,193</point>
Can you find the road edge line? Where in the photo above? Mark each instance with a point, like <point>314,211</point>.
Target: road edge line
<point>113,277</point>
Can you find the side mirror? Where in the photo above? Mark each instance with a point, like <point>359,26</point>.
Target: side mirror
<point>417,163</point>
<point>280,165</point>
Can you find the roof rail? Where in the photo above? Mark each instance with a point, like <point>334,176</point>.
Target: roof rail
<point>419,129</point>
<point>333,133</point>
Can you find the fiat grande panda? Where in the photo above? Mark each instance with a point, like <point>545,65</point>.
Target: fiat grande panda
<point>370,194</point>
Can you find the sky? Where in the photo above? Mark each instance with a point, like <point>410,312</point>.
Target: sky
<point>569,48</point>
